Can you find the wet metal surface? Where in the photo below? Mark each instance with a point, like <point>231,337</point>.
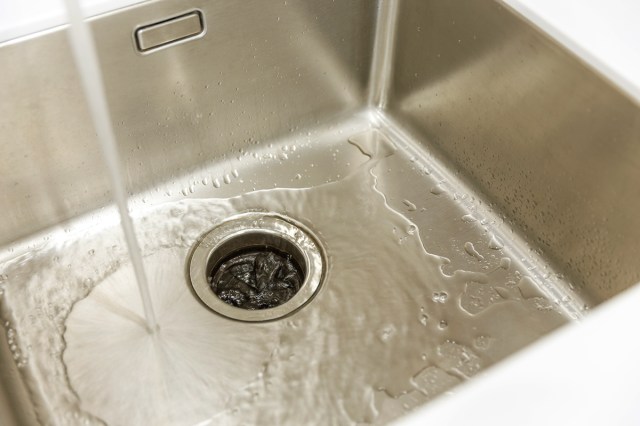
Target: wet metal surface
<point>470,187</point>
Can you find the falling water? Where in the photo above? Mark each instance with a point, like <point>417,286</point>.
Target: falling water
<point>84,52</point>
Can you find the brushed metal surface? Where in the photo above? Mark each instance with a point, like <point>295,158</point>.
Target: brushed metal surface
<point>170,31</point>
<point>498,129</point>
<point>258,72</point>
<point>551,144</point>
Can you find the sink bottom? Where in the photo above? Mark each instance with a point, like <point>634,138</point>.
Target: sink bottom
<point>425,286</point>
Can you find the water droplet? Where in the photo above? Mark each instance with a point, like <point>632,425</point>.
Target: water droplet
<point>410,206</point>
<point>373,144</point>
<point>468,218</point>
<point>227,179</point>
<point>471,251</point>
<point>482,342</point>
<point>495,243</point>
<point>437,190</point>
<point>387,333</point>
<point>439,297</point>
<point>505,263</point>
<point>216,183</point>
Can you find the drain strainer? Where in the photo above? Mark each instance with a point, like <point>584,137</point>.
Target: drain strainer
<point>256,267</point>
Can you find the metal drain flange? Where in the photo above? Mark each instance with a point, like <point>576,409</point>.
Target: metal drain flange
<point>257,267</point>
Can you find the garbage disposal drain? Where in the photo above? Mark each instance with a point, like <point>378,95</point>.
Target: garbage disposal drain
<point>256,267</point>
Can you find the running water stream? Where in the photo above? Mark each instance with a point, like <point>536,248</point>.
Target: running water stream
<point>86,59</point>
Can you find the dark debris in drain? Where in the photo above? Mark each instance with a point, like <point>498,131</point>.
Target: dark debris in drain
<point>256,279</point>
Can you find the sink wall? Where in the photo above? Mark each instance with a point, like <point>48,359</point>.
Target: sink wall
<point>258,73</point>
<point>551,143</point>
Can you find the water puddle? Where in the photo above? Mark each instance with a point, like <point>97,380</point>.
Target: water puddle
<point>387,331</point>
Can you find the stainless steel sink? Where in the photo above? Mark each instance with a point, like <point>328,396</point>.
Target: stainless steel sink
<point>472,185</point>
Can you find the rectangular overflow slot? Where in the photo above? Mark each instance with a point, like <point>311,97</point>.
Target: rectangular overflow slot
<point>170,31</point>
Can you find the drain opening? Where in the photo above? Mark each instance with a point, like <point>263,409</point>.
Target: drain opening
<point>256,267</point>
<point>260,276</point>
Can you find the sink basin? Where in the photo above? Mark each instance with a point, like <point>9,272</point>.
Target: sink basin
<point>470,184</point>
